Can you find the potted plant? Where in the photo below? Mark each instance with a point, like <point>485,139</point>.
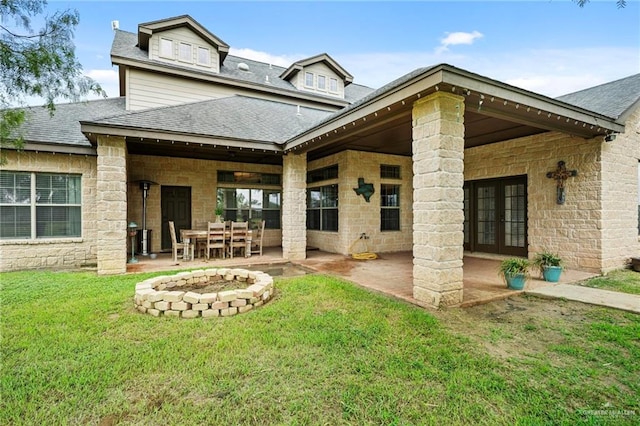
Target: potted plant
<point>515,271</point>
<point>549,264</point>
<point>219,212</point>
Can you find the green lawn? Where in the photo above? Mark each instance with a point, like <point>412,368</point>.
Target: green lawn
<point>625,281</point>
<point>323,351</point>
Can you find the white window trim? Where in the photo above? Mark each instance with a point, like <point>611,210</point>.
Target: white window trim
<point>160,53</point>
<point>34,204</point>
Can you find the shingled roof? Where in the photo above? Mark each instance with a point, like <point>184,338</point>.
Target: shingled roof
<point>611,99</point>
<point>234,117</point>
<point>124,46</point>
<point>63,128</point>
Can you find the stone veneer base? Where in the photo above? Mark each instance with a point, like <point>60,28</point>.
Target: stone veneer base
<point>161,295</point>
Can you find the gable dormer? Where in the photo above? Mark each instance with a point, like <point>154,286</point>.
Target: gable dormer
<point>319,74</point>
<point>184,42</point>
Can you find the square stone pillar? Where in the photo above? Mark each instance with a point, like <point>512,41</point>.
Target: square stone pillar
<point>294,206</point>
<point>438,199</point>
<point>111,196</point>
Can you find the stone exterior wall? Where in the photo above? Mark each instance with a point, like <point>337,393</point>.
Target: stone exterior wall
<point>355,215</point>
<point>294,215</point>
<point>65,253</point>
<point>620,162</point>
<point>200,175</point>
<point>111,200</point>
<point>438,199</point>
<point>591,231</point>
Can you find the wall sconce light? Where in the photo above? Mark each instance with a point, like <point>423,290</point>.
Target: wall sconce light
<point>610,137</point>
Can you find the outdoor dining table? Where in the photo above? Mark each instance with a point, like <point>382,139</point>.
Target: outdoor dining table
<point>201,234</point>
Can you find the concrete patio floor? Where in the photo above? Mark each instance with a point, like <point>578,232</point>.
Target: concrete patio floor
<point>390,273</point>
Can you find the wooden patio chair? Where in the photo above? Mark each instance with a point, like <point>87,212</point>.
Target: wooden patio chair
<point>256,238</point>
<point>238,238</point>
<point>215,239</point>
<point>179,247</point>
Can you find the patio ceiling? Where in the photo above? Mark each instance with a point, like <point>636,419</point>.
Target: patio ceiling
<point>493,112</point>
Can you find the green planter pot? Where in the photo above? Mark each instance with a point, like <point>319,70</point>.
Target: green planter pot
<point>552,273</point>
<point>516,282</point>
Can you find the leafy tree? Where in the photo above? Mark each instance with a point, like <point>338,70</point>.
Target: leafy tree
<point>619,3</point>
<point>38,64</point>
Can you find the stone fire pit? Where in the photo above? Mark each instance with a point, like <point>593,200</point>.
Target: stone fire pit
<point>204,293</point>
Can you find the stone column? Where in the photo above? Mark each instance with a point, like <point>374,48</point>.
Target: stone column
<point>111,198</point>
<point>438,199</point>
<point>294,206</point>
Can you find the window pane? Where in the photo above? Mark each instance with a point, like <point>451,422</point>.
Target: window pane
<point>57,189</point>
<point>243,199</point>
<point>330,196</point>
<point>313,219</point>
<point>15,188</point>
<point>271,200</point>
<point>166,48</point>
<point>333,85</point>
<point>330,219</point>
<point>57,221</point>
<point>308,79</point>
<point>389,219</point>
<point>322,82</point>
<point>184,53</point>
<point>271,218</point>
<point>256,199</point>
<point>15,222</point>
<point>389,172</point>
<point>203,56</point>
<point>313,199</point>
<point>390,195</point>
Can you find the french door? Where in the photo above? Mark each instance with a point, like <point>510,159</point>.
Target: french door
<point>495,213</point>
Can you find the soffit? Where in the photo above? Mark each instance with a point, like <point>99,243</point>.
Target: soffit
<point>494,112</point>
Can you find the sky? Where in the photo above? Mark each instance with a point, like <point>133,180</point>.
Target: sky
<point>551,47</point>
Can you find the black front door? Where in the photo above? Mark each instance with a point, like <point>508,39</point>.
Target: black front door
<point>176,206</point>
<point>496,216</point>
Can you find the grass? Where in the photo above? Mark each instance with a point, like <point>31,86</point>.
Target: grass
<point>323,351</point>
<point>625,281</point>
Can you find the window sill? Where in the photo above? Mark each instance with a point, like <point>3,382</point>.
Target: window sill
<point>25,242</point>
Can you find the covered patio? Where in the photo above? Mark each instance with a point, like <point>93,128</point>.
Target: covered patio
<point>390,274</point>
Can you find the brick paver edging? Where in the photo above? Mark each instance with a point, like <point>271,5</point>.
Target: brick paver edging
<point>162,295</point>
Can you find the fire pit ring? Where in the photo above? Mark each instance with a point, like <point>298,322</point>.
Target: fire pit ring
<point>178,295</point>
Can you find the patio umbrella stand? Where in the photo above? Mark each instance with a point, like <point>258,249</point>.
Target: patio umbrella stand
<point>145,237</point>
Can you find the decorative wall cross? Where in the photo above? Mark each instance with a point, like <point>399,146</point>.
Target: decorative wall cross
<point>561,174</point>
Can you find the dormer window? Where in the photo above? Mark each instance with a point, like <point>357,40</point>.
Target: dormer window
<point>204,56</point>
<point>184,52</point>
<point>308,79</point>
<point>166,48</point>
<point>322,82</point>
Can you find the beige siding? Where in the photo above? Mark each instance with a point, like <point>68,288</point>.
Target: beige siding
<point>150,90</point>
<point>185,35</point>
<point>55,252</point>
<point>319,68</point>
<point>355,215</point>
<point>200,175</point>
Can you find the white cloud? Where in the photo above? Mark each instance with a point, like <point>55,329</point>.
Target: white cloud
<point>267,58</point>
<point>456,38</point>
<point>108,80</point>
<point>548,72</point>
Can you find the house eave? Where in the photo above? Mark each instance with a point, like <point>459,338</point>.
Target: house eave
<point>206,77</point>
<point>488,97</point>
